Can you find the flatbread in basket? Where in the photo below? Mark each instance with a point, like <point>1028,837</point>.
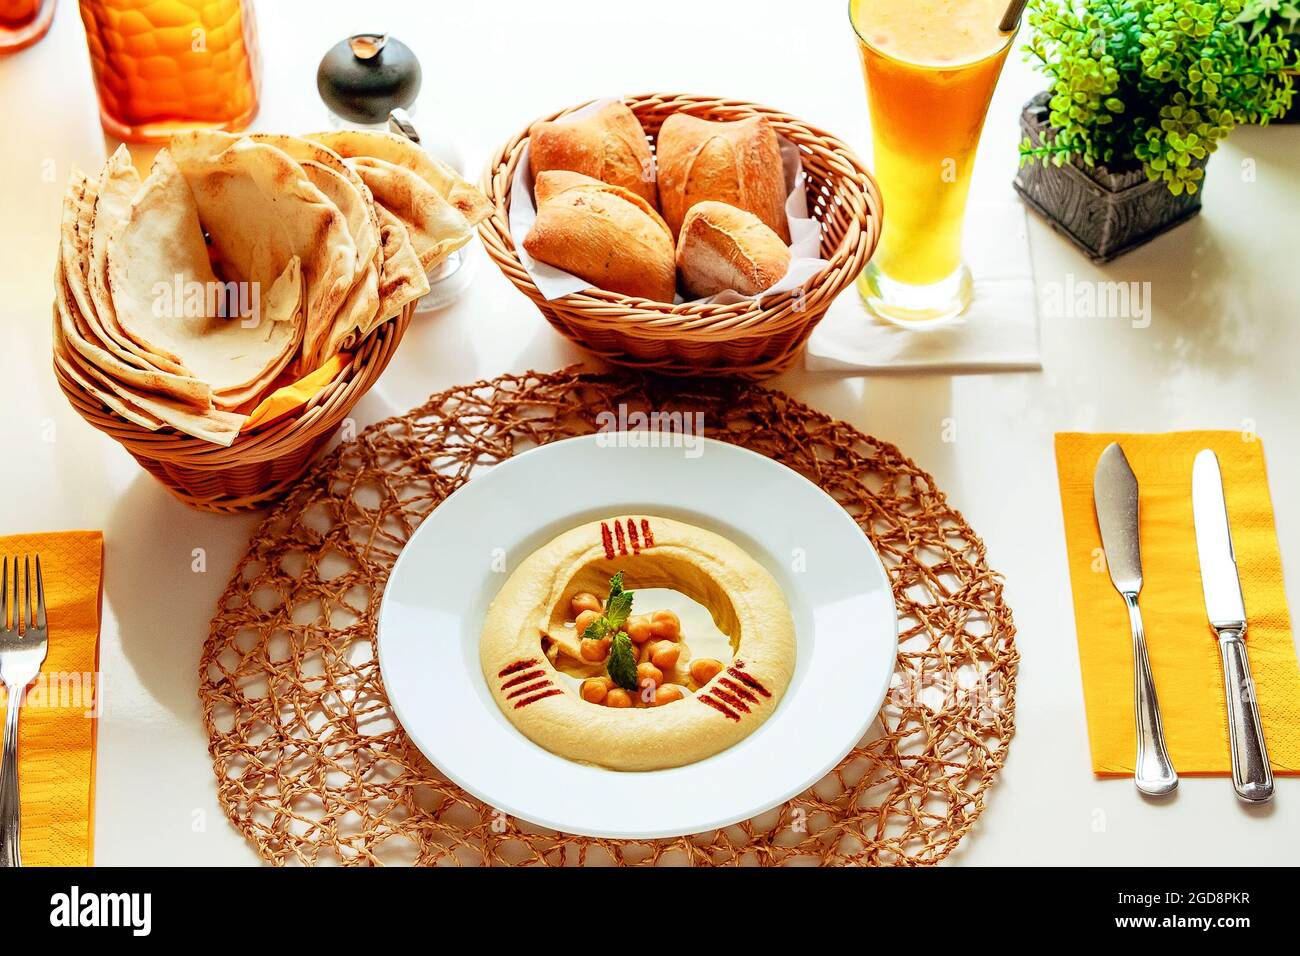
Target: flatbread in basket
<point>242,265</point>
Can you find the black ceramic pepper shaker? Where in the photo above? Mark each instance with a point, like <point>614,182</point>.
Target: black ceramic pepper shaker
<point>368,75</point>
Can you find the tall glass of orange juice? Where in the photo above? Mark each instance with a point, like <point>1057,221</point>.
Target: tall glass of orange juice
<point>930,68</point>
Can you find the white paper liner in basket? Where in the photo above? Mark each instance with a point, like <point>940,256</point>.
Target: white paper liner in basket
<point>553,283</point>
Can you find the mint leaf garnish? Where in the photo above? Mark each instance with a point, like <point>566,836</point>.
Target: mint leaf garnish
<point>617,609</point>
<point>622,664</point>
<point>596,629</point>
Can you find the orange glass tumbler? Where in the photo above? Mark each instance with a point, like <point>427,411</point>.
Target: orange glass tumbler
<point>23,22</point>
<point>162,66</point>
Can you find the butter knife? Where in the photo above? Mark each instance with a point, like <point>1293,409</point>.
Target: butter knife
<point>1115,495</point>
<point>1252,777</point>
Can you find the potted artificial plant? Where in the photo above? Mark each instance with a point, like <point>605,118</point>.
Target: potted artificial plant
<point>1275,16</point>
<point>1141,92</point>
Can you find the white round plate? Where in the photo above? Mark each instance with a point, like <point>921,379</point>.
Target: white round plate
<point>457,560</point>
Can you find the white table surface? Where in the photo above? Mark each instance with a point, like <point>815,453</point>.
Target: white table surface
<point>1220,352</point>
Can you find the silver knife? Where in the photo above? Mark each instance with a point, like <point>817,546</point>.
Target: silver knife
<point>1115,495</point>
<point>1251,775</point>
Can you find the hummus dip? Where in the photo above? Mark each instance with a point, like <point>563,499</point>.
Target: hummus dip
<point>652,552</point>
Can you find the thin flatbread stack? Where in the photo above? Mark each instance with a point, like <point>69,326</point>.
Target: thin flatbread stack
<point>242,264</point>
<point>438,209</point>
<point>394,149</point>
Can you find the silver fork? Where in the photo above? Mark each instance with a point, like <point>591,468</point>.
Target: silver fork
<point>23,643</point>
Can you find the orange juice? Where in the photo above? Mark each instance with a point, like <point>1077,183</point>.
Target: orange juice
<point>930,68</point>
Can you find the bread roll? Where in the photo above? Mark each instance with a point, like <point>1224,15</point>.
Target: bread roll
<point>722,247</point>
<point>602,233</point>
<point>738,163</point>
<point>609,145</point>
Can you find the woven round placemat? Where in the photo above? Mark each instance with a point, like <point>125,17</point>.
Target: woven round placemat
<point>312,767</point>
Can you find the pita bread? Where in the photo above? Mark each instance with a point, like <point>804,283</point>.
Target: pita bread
<point>436,227</point>
<point>72,296</point>
<point>74,252</point>
<point>312,157</point>
<point>260,209</point>
<point>340,183</point>
<point>354,201</point>
<point>305,151</point>
<point>150,411</point>
<point>218,427</point>
<point>290,226</point>
<point>118,184</point>
<point>401,280</point>
<point>283,304</point>
<point>400,151</point>
<point>166,295</point>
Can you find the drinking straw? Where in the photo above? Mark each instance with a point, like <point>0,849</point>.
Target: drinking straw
<point>1011,19</point>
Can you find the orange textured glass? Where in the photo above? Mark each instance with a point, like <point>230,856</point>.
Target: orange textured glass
<point>166,65</point>
<point>23,22</point>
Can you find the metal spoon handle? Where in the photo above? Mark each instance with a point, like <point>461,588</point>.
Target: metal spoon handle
<point>1252,777</point>
<point>1154,773</point>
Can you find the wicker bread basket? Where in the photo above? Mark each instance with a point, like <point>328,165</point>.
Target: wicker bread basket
<point>259,466</point>
<point>747,339</point>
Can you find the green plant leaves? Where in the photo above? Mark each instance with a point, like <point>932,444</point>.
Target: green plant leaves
<point>1160,82</point>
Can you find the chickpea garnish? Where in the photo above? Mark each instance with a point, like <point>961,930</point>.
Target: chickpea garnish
<point>618,697</point>
<point>584,620</point>
<point>585,601</point>
<point>595,651</point>
<point>665,625</point>
<point>646,691</point>
<point>704,669</point>
<point>638,628</point>
<point>595,689</point>
<point>667,694</point>
<point>664,654</point>
<point>645,671</point>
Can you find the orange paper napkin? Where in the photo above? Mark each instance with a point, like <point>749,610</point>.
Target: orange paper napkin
<point>292,395</point>
<point>56,734</point>
<point>1184,654</point>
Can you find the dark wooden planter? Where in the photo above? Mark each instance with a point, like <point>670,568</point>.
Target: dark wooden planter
<point>1105,212</point>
